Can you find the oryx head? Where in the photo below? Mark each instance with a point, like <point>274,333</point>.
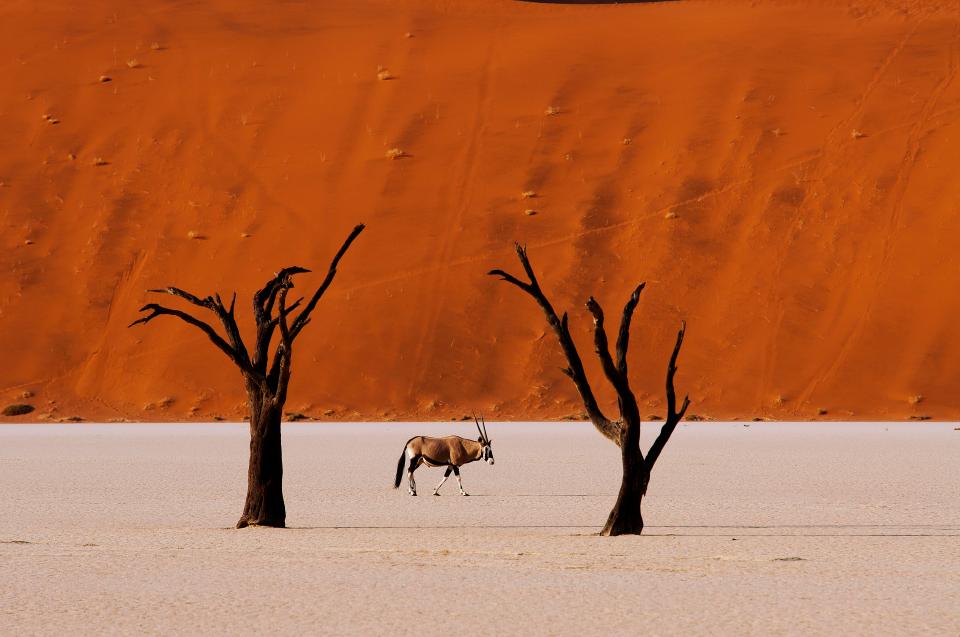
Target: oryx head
<point>486,452</point>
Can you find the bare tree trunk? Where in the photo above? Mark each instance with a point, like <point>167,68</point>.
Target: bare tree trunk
<point>264,504</point>
<point>625,518</point>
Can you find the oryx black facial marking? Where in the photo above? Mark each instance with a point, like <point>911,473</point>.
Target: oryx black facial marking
<point>451,452</point>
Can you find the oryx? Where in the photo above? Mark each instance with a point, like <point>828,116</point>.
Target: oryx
<point>451,452</point>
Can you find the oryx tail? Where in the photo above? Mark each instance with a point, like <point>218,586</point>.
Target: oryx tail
<point>400,463</point>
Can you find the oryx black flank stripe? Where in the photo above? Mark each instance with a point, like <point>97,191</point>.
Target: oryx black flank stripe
<point>437,463</point>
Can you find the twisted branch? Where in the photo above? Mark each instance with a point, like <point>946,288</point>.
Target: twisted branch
<point>602,349</point>
<point>623,338</point>
<point>284,350</point>
<point>304,317</point>
<point>606,427</point>
<point>159,310</point>
<point>215,304</point>
<point>673,416</point>
<point>263,303</point>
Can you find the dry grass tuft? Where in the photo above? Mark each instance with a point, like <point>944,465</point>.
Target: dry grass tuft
<point>915,400</point>
<point>552,110</point>
<point>395,153</point>
<point>528,194</point>
<point>18,409</point>
<point>383,74</point>
<point>671,215</point>
<point>133,63</point>
<point>855,134</point>
<point>193,234</point>
<point>156,46</point>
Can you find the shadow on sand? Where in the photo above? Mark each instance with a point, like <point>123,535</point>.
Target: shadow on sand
<point>801,530</point>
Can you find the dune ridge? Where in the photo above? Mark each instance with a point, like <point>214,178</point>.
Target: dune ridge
<point>780,173</point>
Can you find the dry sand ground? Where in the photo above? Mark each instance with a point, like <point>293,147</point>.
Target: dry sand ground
<point>789,187</point>
<point>121,529</point>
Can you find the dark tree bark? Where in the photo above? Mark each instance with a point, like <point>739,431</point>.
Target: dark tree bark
<point>265,380</point>
<point>626,516</point>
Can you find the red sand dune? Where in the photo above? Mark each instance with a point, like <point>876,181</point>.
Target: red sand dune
<point>782,174</point>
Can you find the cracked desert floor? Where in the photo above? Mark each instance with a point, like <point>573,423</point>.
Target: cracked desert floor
<point>760,529</point>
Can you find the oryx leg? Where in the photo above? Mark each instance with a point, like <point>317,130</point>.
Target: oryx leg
<point>456,471</point>
<point>414,463</point>
<point>446,474</point>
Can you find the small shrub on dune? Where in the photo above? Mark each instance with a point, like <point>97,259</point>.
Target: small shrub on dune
<point>18,409</point>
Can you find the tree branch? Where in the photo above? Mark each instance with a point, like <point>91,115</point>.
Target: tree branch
<point>264,299</point>
<point>183,294</point>
<point>602,349</point>
<point>608,429</point>
<point>263,302</point>
<point>623,338</point>
<point>284,351</point>
<point>301,321</point>
<point>509,278</point>
<point>215,304</point>
<point>230,325</point>
<point>158,310</point>
<point>673,416</point>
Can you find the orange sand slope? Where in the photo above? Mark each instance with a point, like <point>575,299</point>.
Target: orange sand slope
<point>781,174</point>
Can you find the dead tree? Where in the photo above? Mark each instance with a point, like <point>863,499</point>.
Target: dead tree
<point>265,379</point>
<point>625,518</point>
